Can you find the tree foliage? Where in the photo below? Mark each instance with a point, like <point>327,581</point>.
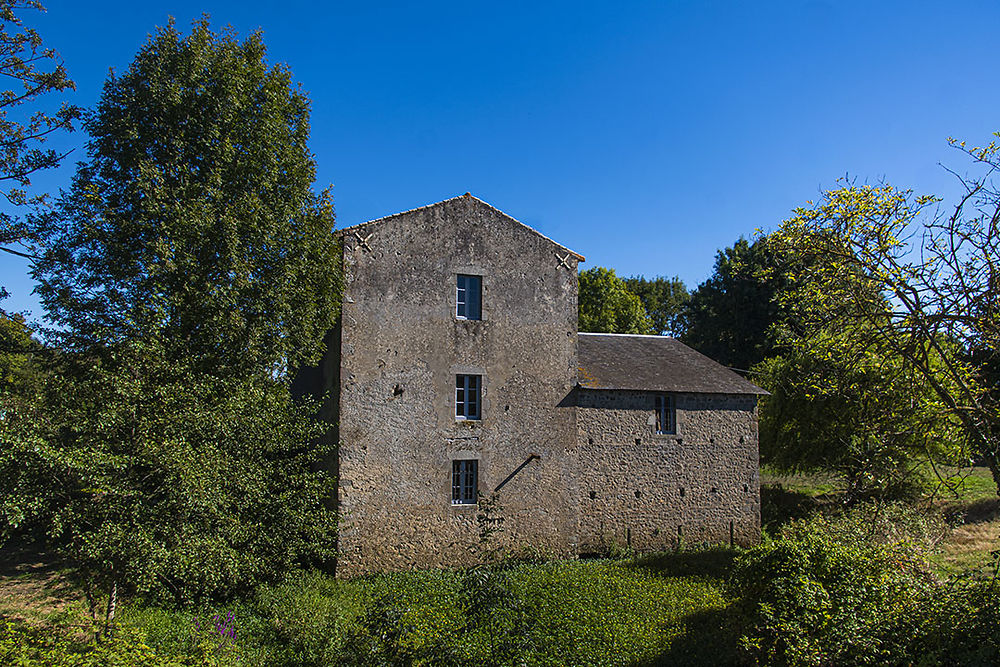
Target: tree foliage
<point>195,214</point>
<point>856,409</point>
<point>730,316</point>
<point>938,273</point>
<point>608,306</point>
<point>664,300</point>
<point>26,123</point>
<point>189,269</point>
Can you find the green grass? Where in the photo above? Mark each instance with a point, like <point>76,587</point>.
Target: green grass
<point>660,609</point>
<point>656,609</point>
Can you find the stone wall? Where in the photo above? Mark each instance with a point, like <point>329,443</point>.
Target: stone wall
<point>646,491</point>
<point>401,346</point>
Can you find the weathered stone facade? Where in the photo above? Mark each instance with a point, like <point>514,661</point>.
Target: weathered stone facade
<point>649,491</point>
<point>392,368</point>
<point>401,348</point>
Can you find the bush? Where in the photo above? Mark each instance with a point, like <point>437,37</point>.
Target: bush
<point>815,601</point>
<point>856,589</point>
<point>28,646</point>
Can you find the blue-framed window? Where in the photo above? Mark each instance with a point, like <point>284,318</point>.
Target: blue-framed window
<point>469,297</point>
<point>666,414</point>
<point>468,396</point>
<point>464,482</point>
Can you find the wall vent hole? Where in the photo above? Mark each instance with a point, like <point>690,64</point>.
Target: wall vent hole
<point>506,408</point>
<point>397,390</point>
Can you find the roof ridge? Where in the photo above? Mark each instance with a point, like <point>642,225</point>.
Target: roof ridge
<point>411,210</point>
<point>600,333</point>
<point>470,196</point>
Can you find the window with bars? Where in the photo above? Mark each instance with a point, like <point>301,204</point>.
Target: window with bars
<point>468,396</point>
<point>666,415</point>
<point>464,482</point>
<point>469,297</point>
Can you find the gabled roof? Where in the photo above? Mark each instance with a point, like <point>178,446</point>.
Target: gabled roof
<point>653,363</point>
<point>466,197</point>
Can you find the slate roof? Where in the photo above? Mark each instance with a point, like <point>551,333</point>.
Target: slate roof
<point>653,363</point>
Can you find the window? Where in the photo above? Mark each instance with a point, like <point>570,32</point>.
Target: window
<point>469,297</point>
<point>468,395</point>
<point>464,482</point>
<point>666,416</point>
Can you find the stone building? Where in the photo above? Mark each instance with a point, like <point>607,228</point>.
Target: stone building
<point>457,370</point>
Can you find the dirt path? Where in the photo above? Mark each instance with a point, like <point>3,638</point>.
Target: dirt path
<point>34,588</point>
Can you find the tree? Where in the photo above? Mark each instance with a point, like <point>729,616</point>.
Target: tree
<point>23,131</point>
<point>190,268</point>
<point>730,316</point>
<point>664,300</point>
<point>938,272</point>
<point>194,214</point>
<point>843,401</point>
<point>606,304</point>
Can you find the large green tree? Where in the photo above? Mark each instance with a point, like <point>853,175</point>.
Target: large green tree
<point>189,270</point>
<point>730,316</point>
<point>664,300</point>
<point>607,306</point>
<point>195,213</point>
<point>938,274</point>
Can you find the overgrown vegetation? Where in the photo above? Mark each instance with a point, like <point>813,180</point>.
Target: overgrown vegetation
<point>164,454</point>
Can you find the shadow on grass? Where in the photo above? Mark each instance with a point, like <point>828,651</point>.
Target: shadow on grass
<point>978,511</point>
<point>709,638</point>
<point>779,505</point>
<point>710,562</point>
<point>26,556</point>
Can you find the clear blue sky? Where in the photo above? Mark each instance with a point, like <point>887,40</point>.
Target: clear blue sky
<point>644,135</point>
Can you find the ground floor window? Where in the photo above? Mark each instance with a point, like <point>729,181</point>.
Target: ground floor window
<point>464,482</point>
<point>666,415</point>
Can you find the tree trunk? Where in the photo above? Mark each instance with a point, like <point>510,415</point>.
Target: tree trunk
<point>109,622</point>
<point>993,462</point>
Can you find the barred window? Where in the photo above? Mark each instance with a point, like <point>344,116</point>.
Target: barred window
<point>468,396</point>
<point>464,482</point>
<point>666,415</point>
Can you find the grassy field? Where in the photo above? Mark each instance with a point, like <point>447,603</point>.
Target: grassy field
<point>659,609</point>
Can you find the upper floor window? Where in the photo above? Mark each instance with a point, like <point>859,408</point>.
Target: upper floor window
<point>469,297</point>
<point>468,396</point>
<point>666,415</point>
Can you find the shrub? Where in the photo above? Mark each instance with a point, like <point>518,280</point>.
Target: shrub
<point>824,591</point>
<point>42,647</point>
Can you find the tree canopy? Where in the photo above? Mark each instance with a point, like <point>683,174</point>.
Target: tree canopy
<point>937,273</point>
<point>730,316</point>
<point>664,300</point>
<point>607,306</point>
<point>189,269</point>
<point>194,214</point>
